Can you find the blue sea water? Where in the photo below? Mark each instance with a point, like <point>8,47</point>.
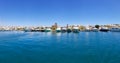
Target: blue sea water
<point>41,47</point>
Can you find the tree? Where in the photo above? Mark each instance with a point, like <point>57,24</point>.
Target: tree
<point>97,26</point>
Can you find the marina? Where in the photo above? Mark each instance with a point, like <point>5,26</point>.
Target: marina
<point>67,28</point>
<point>59,31</point>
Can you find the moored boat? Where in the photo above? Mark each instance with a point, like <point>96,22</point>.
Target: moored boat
<point>75,30</point>
<point>115,29</point>
<point>104,29</point>
<point>95,30</point>
<point>47,29</point>
<point>69,30</point>
<point>58,29</point>
<point>88,29</point>
<point>63,29</point>
<point>27,30</point>
<point>42,29</point>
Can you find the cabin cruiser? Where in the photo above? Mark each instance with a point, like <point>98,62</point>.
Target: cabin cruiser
<point>76,29</point>
<point>104,29</point>
<point>69,30</point>
<point>63,29</point>
<point>95,30</point>
<point>47,29</point>
<point>35,30</point>
<point>88,29</point>
<point>91,29</point>
<point>115,29</point>
<point>27,29</point>
<point>58,29</point>
<point>42,29</point>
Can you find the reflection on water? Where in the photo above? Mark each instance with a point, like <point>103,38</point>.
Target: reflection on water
<point>40,47</point>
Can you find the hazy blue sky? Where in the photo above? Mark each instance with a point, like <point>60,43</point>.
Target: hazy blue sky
<point>47,12</point>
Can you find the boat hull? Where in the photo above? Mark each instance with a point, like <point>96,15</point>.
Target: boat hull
<point>75,31</point>
<point>58,30</point>
<point>63,31</point>
<point>104,30</point>
<point>47,30</point>
<point>69,30</point>
<point>115,29</point>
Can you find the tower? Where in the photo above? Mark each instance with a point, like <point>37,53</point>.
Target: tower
<point>56,25</point>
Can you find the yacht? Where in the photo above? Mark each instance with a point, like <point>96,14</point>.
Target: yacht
<point>42,29</point>
<point>95,30</point>
<point>27,30</point>
<point>104,29</point>
<point>58,29</point>
<point>63,29</point>
<point>88,29</point>
<point>69,30</point>
<point>76,29</point>
<point>47,29</point>
<point>115,29</point>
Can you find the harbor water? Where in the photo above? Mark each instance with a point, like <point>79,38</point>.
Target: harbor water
<point>48,47</point>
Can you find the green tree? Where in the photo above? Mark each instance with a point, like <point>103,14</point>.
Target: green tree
<point>97,26</point>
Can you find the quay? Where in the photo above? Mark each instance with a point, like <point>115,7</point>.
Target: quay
<point>64,29</point>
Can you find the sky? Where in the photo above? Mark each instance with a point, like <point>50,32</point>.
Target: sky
<point>47,12</point>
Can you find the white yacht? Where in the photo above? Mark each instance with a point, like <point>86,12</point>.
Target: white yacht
<point>48,29</point>
<point>95,30</point>
<point>58,29</point>
<point>88,29</point>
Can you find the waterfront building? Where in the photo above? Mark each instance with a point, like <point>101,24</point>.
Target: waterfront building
<point>82,28</point>
<point>54,27</point>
